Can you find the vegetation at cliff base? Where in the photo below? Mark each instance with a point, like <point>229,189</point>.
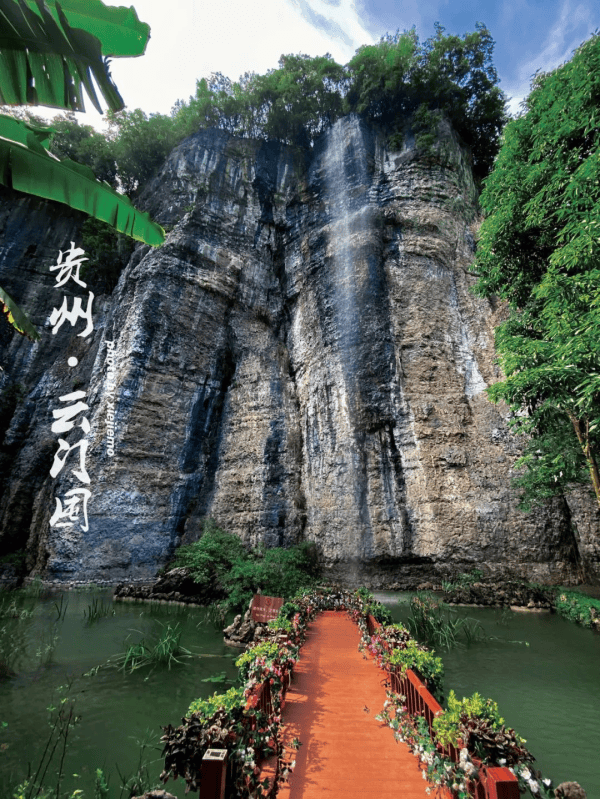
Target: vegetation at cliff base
<point>220,560</point>
<point>539,250</point>
<point>579,608</point>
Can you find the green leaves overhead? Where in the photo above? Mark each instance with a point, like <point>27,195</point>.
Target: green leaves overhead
<point>26,166</point>
<point>45,62</point>
<point>17,318</point>
<point>120,31</point>
<point>393,78</point>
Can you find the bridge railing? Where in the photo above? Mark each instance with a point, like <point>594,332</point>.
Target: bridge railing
<point>217,772</point>
<point>492,782</point>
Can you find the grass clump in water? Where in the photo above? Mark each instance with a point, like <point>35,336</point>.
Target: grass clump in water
<point>99,609</point>
<point>431,622</point>
<point>165,651</point>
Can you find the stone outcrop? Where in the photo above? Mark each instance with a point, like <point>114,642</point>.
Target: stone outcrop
<point>302,359</point>
<point>243,630</point>
<point>504,594</point>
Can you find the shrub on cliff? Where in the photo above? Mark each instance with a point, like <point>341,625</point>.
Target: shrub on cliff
<point>212,557</point>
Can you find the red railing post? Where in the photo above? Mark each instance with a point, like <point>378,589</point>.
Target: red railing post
<point>499,783</point>
<point>213,774</point>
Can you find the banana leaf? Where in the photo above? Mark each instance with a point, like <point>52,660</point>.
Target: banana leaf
<point>45,62</point>
<point>26,166</point>
<point>17,318</point>
<point>120,31</point>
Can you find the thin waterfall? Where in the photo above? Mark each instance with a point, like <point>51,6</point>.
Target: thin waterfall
<point>351,219</point>
<point>346,183</point>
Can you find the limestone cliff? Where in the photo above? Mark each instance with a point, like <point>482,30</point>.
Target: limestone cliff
<point>302,359</point>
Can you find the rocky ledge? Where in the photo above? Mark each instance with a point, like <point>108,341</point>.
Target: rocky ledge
<point>177,585</point>
<point>502,594</point>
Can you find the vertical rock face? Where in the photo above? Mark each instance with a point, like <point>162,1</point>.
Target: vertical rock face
<point>302,359</point>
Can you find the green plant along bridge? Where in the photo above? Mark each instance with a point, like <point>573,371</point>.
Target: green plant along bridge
<point>331,706</point>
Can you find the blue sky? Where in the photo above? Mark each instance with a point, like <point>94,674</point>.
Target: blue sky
<point>192,38</point>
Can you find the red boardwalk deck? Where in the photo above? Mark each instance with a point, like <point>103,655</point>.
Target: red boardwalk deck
<point>331,707</point>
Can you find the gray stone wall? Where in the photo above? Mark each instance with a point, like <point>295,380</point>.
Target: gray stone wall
<point>301,359</point>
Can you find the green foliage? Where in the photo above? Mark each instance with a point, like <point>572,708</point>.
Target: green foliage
<point>379,612</point>
<point>140,144</point>
<point>447,726</point>
<point>27,166</point>
<point>164,651</point>
<point>16,317</point>
<point>101,790</point>
<point>84,144</point>
<point>579,608</point>
<point>206,708</point>
<point>475,723</point>
<point>454,75</point>
<point>432,623</point>
<point>99,609</point>
<point>213,555</point>
<point>275,572</point>
<point>539,250</point>
<point>269,650</point>
<point>421,660</point>
<point>464,580</point>
<point>107,252</point>
<point>291,104</point>
<point>60,71</point>
<point>221,557</point>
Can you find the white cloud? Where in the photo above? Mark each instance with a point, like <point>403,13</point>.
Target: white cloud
<point>573,25</point>
<point>190,39</point>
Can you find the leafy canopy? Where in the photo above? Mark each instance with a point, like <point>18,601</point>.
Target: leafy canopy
<point>221,558</point>
<point>387,83</point>
<point>539,250</point>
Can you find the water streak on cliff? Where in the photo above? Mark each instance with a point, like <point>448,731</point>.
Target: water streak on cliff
<point>302,359</point>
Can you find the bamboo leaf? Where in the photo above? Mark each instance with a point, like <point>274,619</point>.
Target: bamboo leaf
<point>117,27</point>
<point>17,318</point>
<point>26,166</point>
<point>58,59</point>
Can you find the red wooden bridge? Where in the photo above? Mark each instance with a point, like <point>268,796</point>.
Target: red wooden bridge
<point>345,752</point>
<point>331,707</point>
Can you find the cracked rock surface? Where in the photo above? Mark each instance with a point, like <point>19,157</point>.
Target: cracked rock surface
<point>302,359</point>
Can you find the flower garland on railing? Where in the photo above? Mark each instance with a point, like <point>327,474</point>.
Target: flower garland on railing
<point>237,720</point>
<point>439,770</point>
<point>268,662</point>
<point>394,649</point>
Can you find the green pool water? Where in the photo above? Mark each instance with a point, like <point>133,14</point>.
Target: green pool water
<point>549,691</point>
<point>118,712</point>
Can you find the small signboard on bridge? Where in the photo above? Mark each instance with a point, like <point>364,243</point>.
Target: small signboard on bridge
<point>265,608</point>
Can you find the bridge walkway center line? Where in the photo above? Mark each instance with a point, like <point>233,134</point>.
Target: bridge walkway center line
<point>331,707</point>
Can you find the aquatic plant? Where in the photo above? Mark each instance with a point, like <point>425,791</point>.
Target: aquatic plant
<point>61,607</point>
<point>432,623</point>
<point>99,609</point>
<point>165,651</point>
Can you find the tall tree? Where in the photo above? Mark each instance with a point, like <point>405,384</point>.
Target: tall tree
<point>539,250</point>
